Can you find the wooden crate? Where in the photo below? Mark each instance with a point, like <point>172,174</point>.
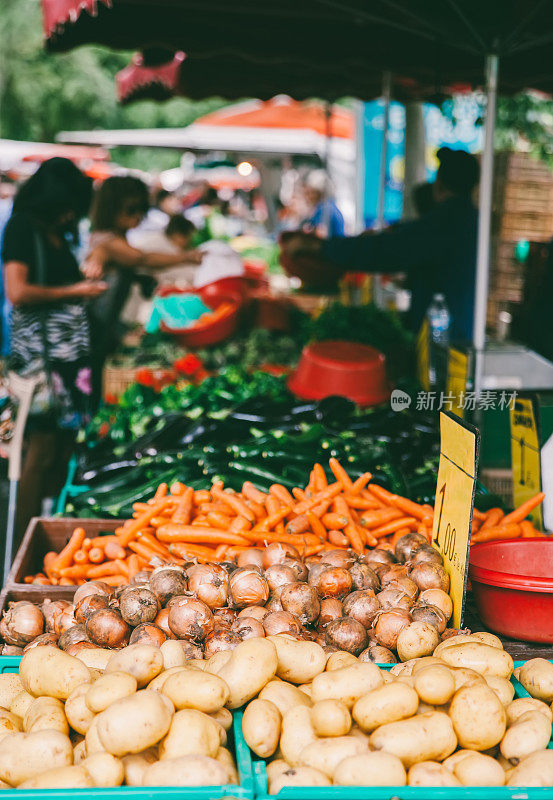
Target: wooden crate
<point>45,534</point>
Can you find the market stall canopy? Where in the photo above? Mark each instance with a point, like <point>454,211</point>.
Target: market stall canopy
<point>13,153</point>
<point>432,42</point>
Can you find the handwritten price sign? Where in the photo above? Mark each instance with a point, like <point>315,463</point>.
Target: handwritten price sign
<point>459,450</point>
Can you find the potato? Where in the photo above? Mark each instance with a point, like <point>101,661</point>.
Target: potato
<point>79,752</point>
<point>135,765</point>
<point>191,688</point>
<point>370,769</point>
<point>330,718</point>
<point>134,723</point>
<point>157,684</point>
<point>451,762</point>
<point>339,660</point>
<point>520,705</point>
<point>466,677</point>
<point>387,677</point>
<point>479,719</point>
<point>426,661</point>
<point>251,665</point>
<point>173,654</point>
<point>216,662</point>
<point>186,771</point>
<point>298,776</point>
<point>109,688</point>
<point>482,658</point>
<point>298,662</point>
<point>430,773</point>
<point>284,696</point>
<point>297,732</point>
<point>530,732</point>
<point>104,769</point>
<point>197,663</point>
<point>92,739</point>
<point>404,668</point>
<point>470,638</point>
<point>9,723</point>
<point>425,737</point>
<point>46,713</point>
<point>21,703</point>
<point>142,661</point>
<point>25,755</point>
<point>534,770</point>
<point>60,778</point>
<point>536,676</point>
<point>49,671</point>
<point>503,688</point>
<point>223,717</point>
<point>191,733</point>
<point>388,703</point>
<point>225,758</point>
<point>77,712</point>
<point>261,725</point>
<point>417,640</point>
<point>10,687</point>
<point>434,684</point>
<point>276,767</point>
<point>479,770</point>
<point>95,659</point>
<point>325,754</point>
<point>347,684</point>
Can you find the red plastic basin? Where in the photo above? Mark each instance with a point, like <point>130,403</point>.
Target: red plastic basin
<point>351,370</point>
<point>512,582</point>
<point>218,331</point>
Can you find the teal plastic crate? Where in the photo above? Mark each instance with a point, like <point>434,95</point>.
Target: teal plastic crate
<point>245,791</point>
<point>69,489</point>
<point>400,792</point>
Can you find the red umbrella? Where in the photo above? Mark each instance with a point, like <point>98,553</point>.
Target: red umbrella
<point>138,81</point>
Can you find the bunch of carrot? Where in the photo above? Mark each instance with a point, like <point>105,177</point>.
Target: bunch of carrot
<point>180,524</point>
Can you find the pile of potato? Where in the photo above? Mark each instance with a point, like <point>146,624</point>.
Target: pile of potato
<point>380,607</point>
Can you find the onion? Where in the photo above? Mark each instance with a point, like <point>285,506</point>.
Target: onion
<point>378,655</point>
<point>210,584</point>
<point>338,558</point>
<point>162,621</point>
<point>301,600</point>
<point>273,604</point>
<point>331,609</point>
<point>408,545</point>
<point>426,555</point>
<point>254,612</point>
<point>391,573</point>
<point>168,582</point>
<point>138,605</point>
<point>191,650</point>
<point>279,575</point>
<point>362,606</point>
<point>417,640</point>
<point>394,598</point>
<point>333,582</point>
<point>388,625</point>
<point>77,647</point>
<point>424,612</point>
<point>281,622</point>
<point>364,577</point>
<point>72,636</point>
<point>190,618</point>
<point>91,588</point>
<point>378,556</point>
<point>87,605</point>
<point>21,623</point>
<point>248,588</point>
<point>314,572</point>
<point>449,632</point>
<point>438,598</point>
<point>346,634</point>
<point>216,641</point>
<point>406,585</point>
<point>11,650</point>
<point>276,552</point>
<point>142,578</point>
<point>43,640</point>
<point>51,607</point>
<point>308,635</point>
<point>248,628</point>
<point>224,617</point>
<point>107,628</point>
<point>250,557</point>
<point>148,633</point>
<point>430,576</point>
<point>300,570</point>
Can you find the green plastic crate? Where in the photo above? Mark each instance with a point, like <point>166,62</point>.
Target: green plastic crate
<point>400,792</point>
<point>243,762</point>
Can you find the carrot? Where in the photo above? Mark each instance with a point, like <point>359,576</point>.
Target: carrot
<point>480,515</point>
<point>372,519</point>
<point>102,570</point>
<point>251,493</point>
<point>177,489</point>
<point>408,507</point>
<point>360,483</point>
<point>80,557</point>
<point>322,508</point>
<point>298,525</point>
<point>114,550</point>
<point>316,526</point>
<point>66,556</point>
<point>144,550</point>
<point>115,580</point>
<point>49,561</point>
<point>361,503</point>
<point>155,544</point>
<point>66,582</point>
<point>234,502</point>
<point>257,508</point>
<point>161,491</point>
<point>282,494</point>
<point>238,525</point>
<point>332,490</point>
<point>355,538</point>
<point>424,531</point>
<point>133,565</point>
<point>220,552</point>
<point>201,496</point>
<point>504,531</point>
<point>189,533</point>
<point>340,474</point>
<point>319,477</point>
<point>393,526</point>
<point>338,538</point>
<point>29,578</point>
<point>218,520</point>
<point>95,555</point>
<point>493,516</point>
<point>334,520</point>
<point>381,494</point>
<point>270,522</point>
<point>87,544</point>
<point>185,550</point>
<point>183,509</point>
<point>397,536</point>
<point>40,581</point>
<point>526,529</point>
<point>524,509</point>
<point>101,541</point>
<point>76,571</point>
<point>127,534</point>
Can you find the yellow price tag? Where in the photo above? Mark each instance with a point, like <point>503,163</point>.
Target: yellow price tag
<point>457,377</point>
<point>459,450</point>
<point>525,456</point>
<point>423,356</point>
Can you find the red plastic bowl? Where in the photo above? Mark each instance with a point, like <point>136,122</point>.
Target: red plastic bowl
<point>352,370</point>
<point>219,330</point>
<point>512,582</point>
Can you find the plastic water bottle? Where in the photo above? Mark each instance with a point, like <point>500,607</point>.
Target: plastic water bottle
<point>439,320</point>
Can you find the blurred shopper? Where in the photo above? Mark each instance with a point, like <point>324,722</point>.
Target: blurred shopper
<point>436,251</point>
<point>49,329</point>
<point>325,218</point>
<point>7,192</point>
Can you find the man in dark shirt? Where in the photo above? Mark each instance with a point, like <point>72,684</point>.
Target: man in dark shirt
<point>436,251</point>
